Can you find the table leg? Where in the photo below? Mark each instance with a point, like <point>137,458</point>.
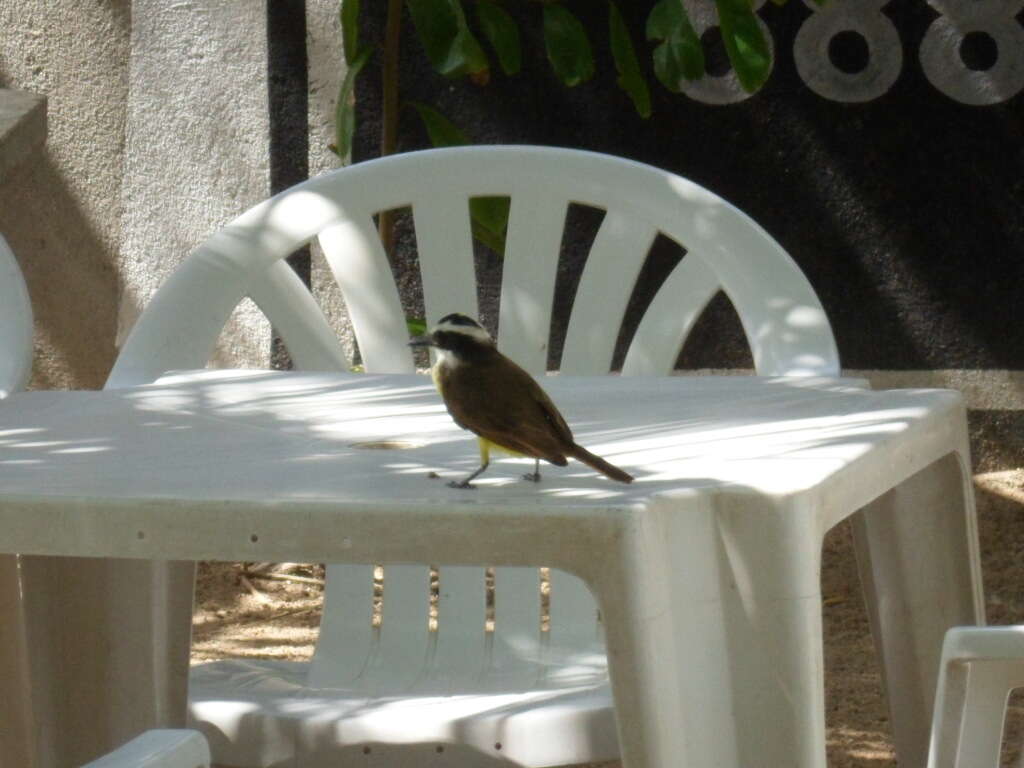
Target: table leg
<point>917,553</point>
<point>770,586</point>
<point>16,698</point>
<point>712,615</point>
<point>108,651</point>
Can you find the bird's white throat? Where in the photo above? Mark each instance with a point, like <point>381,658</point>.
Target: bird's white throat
<point>446,359</point>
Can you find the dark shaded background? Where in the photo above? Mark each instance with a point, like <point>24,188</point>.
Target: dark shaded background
<point>906,213</point>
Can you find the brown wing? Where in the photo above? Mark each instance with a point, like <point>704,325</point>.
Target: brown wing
<point>501,402</point>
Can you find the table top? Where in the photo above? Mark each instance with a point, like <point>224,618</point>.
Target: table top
<point>240,444</point>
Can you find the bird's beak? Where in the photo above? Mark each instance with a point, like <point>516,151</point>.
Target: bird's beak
<point>421,341</point>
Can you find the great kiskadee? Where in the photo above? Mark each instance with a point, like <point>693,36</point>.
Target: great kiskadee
<point>494,398</point>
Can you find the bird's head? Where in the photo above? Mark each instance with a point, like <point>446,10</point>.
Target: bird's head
<point>459,335</point>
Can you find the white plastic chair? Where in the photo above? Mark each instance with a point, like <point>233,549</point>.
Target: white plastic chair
<point>15,325</point>
<point>159,749</point>
<point>980,667</point>
<point>548,702</point>
<point>15,367</point>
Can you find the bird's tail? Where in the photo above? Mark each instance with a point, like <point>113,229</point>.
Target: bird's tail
<point>596,462</point>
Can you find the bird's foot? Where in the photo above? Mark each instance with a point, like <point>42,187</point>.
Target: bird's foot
<point>533,477</point>
<point>461,484</point>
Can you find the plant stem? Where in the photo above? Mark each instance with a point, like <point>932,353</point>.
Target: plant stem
<point>389,107</point>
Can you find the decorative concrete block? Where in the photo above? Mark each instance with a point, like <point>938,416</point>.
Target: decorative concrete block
<point>22,128</point>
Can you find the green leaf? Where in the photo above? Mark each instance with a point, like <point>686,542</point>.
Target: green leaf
<point>349,14</point>
<point>567,45</point>
<point>417,325</point>
<point>452,49</point>
<point>344,110</point>
<point>663,19</point>
<point>502,33</point>
<point>745,43</point>
<point>489,220</point>
<point>441,130</point>
<point>680,55</point>
<point>630,79</point>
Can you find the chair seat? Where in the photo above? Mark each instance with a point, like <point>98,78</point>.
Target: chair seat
<point>261,713</point>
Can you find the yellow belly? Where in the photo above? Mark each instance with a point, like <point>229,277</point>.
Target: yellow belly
<point>486,446</point>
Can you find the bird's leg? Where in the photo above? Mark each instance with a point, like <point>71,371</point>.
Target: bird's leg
<point>485,461</point>
<point>466,483</point>
<point>533,477</point>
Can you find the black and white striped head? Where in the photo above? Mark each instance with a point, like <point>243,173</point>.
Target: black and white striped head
<point>458,334</point>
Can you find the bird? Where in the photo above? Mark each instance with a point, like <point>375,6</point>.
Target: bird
<point>488,394</point>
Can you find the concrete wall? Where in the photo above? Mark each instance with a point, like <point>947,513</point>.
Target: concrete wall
<point>158,134</point>
<point>60,211</point>
<point>326,71</point>
<point>195,147</point>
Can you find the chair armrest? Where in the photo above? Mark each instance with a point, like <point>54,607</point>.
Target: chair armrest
<point>159,749</point>
<point>979,668</point>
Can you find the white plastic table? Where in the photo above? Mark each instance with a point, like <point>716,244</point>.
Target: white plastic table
<point>236,465</point>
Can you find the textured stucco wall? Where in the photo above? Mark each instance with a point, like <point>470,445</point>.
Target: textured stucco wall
<point>157,135</point>
<point>326,71</point>
<point>196,147</point>
<point>22,128</point>
<point>60,210</point>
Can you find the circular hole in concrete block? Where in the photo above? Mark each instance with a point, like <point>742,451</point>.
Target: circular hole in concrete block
<point>848,51</point>
<point>978,51</point>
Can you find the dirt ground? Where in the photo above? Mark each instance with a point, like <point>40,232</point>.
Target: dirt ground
<point>263,611</point>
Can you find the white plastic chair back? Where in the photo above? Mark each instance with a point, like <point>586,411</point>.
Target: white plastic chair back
<point>159,749</point>
<point>980,667</point>
<point>15,325</point>
<point>782,318</point>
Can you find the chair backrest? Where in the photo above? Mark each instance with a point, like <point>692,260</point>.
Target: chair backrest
<point>782,318</point>
<point>15,325</point>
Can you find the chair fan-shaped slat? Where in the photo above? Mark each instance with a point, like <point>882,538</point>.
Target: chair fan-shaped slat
<point>403,652</point>
<point>535,226</point>
<point>444,243</point>
<point>312,343</point>
<point>615,260</point>
<point>517,636</point>
<point>358,262</point>
<point>458,660</point>
<point>575,649</point>
<point>670,318</point>
<point>347,637</point>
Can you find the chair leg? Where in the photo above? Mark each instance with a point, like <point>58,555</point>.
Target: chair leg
<point>968,731</point>
<point>108,651</point>
<point>917,553</point>
<point>983,715</point>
